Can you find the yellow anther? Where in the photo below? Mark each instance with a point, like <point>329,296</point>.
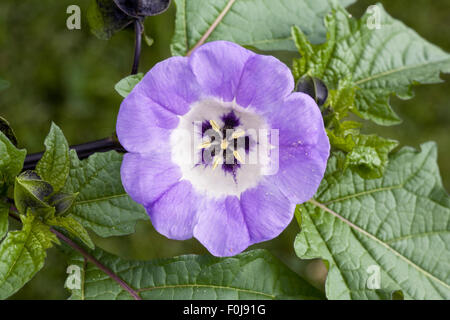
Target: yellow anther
<point>238,156</point>
<point>224,144</point>
<point>216,162</point>
<point>205,145</point>
<point>214,125</point>
<point>237,134</point>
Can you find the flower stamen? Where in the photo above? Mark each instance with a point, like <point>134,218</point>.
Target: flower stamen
<point>216,162</point>
<point>237,134</point>
<point>215,126</point>
<point>205,145</point>
<point>224,144</point>
<point>238,156</point>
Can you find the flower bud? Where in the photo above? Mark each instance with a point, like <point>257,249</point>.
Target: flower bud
<point>313,87</point>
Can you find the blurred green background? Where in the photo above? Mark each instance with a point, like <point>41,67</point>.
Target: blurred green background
<point>68,77</point>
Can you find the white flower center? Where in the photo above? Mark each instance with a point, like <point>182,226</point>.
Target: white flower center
<point>221,148</point>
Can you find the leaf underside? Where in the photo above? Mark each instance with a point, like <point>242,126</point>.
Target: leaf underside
<point>400,223</point>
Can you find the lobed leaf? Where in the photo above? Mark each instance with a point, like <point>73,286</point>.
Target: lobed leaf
<point>399,223</point>
<point>369,156</point>
<point>379,62</point>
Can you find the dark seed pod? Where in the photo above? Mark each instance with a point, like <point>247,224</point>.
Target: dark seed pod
<point>313,87</point>
<point>62,202</point>
<point>142,8</point>
<point>31,192</point>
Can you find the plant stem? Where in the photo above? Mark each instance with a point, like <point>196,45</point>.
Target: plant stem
<point>98,264</point>
<point>138,29</point>
<point>83,150</point>
<point>88,257</point>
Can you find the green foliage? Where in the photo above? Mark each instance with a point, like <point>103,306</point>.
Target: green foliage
<point>124,86</point>
<point>22,254</point>
<point>11,161</point>
<point>8,131</point>
<point>377,62</point>
<point>31,193</point>
<point>102,204</point>
<point>251,275</point>
<point>73,227</point>
<point>63,202</point>
<point>4,211</point>
<point>399,223</point>
<point>265,27</point>
<point>54,165</point>
<point>369,155</point>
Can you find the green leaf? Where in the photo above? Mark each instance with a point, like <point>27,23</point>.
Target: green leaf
<point>370,155</point>
<point>148,40</point>
<point>4,212</point>
<point>5,127</point>
<point>73,227</point>
<point>263,24</point>
<point>124,86</point>
<point>102,204</point>
<point>399,223</point>
<point>11,160</point>
<point>54,165</point>
<point>251,275</point>
<point>22,254</point>
<point>397,59</point>
<point>31,193</point>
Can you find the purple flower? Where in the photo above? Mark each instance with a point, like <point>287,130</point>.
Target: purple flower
<point>220,148</point>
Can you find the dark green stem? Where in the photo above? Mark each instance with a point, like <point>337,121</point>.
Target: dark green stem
<point>83,150</point>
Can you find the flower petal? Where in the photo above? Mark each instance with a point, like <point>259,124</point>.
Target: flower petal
<point>143,125</point>
<point>298,120</point>
<point>146,177</point>
<point>300,171</point>
<point>267,211</point>
<point>265,81</point>
<point>221,227</point>
<point>218,66</point>
<point>172,84</point>
<point>303,147</point>
<point>174,213</point>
